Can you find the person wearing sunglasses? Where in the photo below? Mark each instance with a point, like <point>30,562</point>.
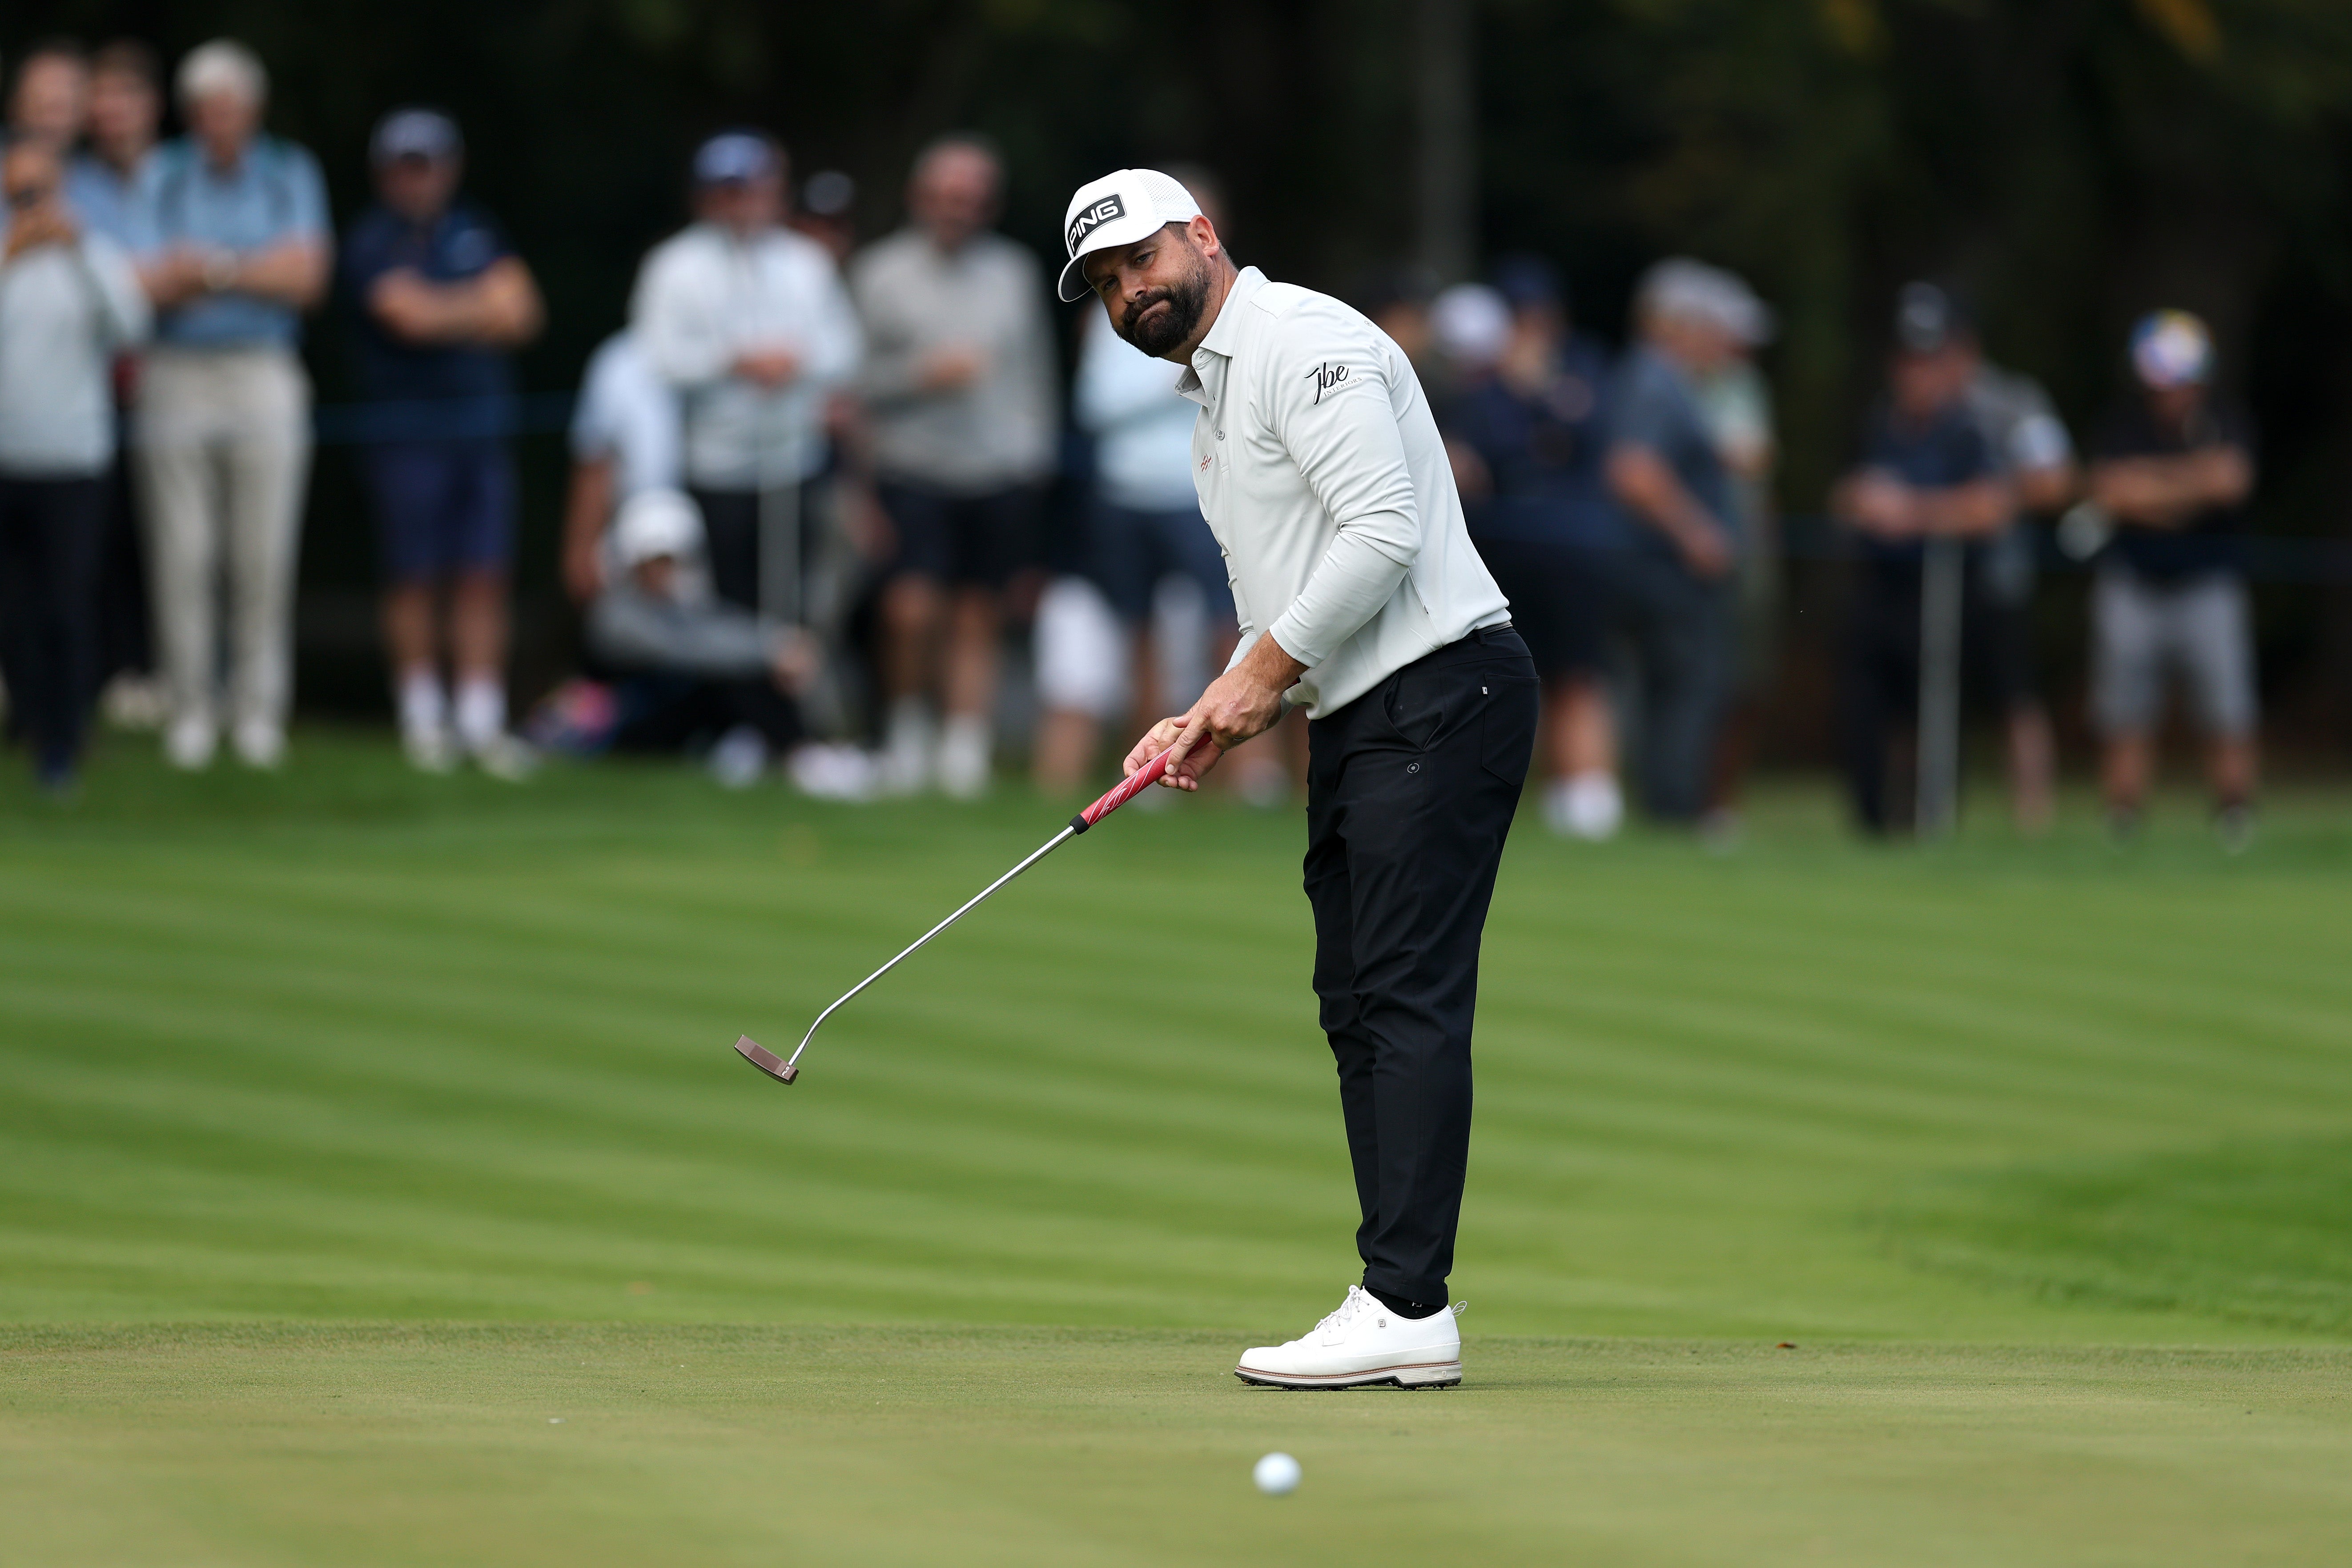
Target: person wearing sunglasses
<point>68,302</point>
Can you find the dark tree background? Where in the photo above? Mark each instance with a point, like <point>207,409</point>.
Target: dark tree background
<point>2071,161</point>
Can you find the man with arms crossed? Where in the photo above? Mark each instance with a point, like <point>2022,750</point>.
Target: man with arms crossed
<point>1361,598</point>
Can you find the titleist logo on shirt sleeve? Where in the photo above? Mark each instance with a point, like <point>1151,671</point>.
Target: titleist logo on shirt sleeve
<point>1093,218</point>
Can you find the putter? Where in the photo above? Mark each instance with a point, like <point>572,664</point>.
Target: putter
<point>785,1069</point>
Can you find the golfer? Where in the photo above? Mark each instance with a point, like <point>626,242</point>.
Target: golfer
<point>1361,599</point>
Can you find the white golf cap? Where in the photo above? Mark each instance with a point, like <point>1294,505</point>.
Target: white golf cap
<point>657,523</point>
<point>1120,208</point>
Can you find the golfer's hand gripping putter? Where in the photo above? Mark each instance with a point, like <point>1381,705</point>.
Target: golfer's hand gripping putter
<point>785,1069</point>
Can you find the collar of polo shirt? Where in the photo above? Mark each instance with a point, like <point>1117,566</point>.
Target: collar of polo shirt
<point>1123,207</point>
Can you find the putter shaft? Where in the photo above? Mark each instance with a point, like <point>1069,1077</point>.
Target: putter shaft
<point>1127,789</point>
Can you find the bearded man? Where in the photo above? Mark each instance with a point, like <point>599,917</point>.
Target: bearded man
<point>1361,599</point>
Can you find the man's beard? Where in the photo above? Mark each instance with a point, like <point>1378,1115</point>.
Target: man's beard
<point>1186,300</point>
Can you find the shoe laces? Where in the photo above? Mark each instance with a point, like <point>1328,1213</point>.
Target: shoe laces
<point>1358,1300</point>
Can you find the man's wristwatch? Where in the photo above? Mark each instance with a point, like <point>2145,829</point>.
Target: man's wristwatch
<point>220,271</point>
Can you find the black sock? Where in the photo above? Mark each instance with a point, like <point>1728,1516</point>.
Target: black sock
<point>1402,1308</point>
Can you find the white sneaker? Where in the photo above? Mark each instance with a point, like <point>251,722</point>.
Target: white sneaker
<point>429,749</point>
<point>509,759</point>
<point>832,773</point>
<point>964,751</point>
<point>740,758</point>
<point>1362,1343</point>
<point>906,749</point>
<point>188,744</point>
<point>259,744</point>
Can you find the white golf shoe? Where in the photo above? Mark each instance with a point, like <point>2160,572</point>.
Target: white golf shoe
<point>1362,1343</point>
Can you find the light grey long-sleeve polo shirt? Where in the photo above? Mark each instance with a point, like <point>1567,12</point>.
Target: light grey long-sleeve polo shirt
<point>1321,471</point>
<point>65,310</point>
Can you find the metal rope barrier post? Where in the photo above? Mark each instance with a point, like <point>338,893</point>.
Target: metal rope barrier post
<point>1940,573</point>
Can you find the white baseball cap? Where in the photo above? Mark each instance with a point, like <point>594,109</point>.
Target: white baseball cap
<point>1120,208</point>
<point>656,522</point>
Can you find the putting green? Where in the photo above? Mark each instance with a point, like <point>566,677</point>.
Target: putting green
<point>2040,1154</point>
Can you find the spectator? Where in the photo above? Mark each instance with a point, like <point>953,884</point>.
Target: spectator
<point>1674,587</point>
<point>748,321</point>
<point>439,300</point>
<point>1145,535</point>
<point>50,96</point>
<point>2029,445</point>
<point>1528,432</point>
<point>1736,404</point>
<point>959,382</point>
<point>624,441</point>
<point>1926,473</point>
<point>68,300</point>
<point>107,187</point>
<point>241,251</point>
<point>2173,469</point>
<point>827,213</point>
<point>692,666</point>
<point>1398,299</point>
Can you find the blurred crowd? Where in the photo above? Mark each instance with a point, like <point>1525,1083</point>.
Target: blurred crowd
<point>829,514</point>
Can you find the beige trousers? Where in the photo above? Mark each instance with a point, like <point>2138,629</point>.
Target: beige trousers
<point>222,450</point>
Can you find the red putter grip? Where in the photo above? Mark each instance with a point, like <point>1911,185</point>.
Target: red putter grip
<point>1120,793</point>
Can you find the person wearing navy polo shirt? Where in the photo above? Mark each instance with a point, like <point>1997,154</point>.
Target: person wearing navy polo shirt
<point>1927,472</point>
<point>439,300</point>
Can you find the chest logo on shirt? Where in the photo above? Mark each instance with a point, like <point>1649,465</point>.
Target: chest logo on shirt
<point>1204,465</point>
<point>1326,377</point>
<point>1093,218</point>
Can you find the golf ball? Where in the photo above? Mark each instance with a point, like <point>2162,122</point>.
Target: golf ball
<point>1276,1475</point>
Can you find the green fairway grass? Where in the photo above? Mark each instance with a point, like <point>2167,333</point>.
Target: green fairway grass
<point>342,1111</point>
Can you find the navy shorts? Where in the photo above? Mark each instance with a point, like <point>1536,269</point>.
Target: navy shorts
<point>442,507</point>
<point>1133,550</point>
<point>967,541</point>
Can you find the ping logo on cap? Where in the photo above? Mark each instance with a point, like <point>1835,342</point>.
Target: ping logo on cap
<point>1094,218</point>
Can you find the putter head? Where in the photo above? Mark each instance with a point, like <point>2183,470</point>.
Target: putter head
<point>766,1060</point>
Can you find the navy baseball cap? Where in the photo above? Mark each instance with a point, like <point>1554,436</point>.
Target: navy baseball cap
<point>426,134</point>
<point>1928,317</point>
<point>1528,282</point>
<point>734,157</point>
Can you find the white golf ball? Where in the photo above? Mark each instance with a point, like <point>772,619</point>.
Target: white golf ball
<point>1276,1475</point>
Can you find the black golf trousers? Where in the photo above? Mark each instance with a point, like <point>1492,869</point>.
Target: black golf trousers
<point>1410,793</point>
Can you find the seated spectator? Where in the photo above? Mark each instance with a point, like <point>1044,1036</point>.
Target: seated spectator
<point>689,668</point>
<point>625,432</point>
<point>1673,586</point>
<point>960,384</point>
<point>70,300</point>
<point>1926,473</point>
<point>1526,429</point>
<point>2173,468</point>
<point>439,301</point>
<point>239,227</point>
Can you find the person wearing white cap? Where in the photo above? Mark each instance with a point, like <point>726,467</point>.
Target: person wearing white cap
<point>1361,599</point>
<point>748,321</point>
<point>2174,469</point>
<point>692,666</point>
